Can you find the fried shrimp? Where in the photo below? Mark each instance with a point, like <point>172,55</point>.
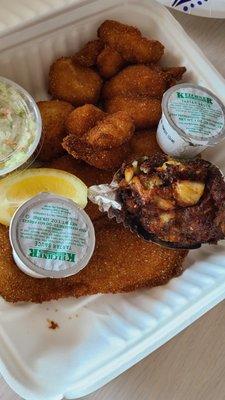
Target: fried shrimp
<point>129,42</point>
<point>138,90</point>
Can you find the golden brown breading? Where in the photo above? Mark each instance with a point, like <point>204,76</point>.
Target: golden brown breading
<point>82,119</point>
<point>112,131</point>
<point>98,138</point>
<point>74,83</point>
<point>173,74</point>
<point>53,114</point>
<point>109,62</point>
<point>144,143</point>
<point>129,42</point>
<point>121,263</point>
<point>138,81</point>
<point>107,159</point>
<point>87,56</point>
<point>145,112</point>
<point>89,175</point>
<point>138,90</point>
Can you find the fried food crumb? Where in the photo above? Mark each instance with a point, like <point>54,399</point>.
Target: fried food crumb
<point>52,324</point>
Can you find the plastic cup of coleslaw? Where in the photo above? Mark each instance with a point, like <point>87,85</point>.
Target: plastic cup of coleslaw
<point>193,119</point>
<point>20,127</point>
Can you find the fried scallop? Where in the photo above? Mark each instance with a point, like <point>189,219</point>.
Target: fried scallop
<point>53,114</point>
<point>114,268</point>
<point>109,62</point>
<point>129,42</point>
<point>145,112</point>
<point>73,82</point>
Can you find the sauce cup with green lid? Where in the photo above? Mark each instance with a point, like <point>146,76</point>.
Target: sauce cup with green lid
<point>193,119</point>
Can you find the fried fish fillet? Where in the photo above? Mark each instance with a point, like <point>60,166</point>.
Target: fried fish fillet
<point>121,263</point>
<point>72,82</point>
<point>53,114</point>
<point>129,42</point>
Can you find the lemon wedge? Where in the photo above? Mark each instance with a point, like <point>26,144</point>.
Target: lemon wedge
<point>17,188</point>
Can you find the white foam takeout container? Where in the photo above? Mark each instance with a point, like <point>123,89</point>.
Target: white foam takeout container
<point>101,336</point>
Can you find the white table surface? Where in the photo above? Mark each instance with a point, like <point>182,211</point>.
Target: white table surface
<point>191,366</point>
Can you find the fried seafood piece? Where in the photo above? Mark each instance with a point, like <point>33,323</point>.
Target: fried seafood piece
<point>99,129</point>
<point>114,268</point>
<point>53,114</point>
<point>145,112</point>
<point>107,159</point>
<point>98,138</point>
<point>141,81</point>
<point>144,143</point>
<point>129,42</point>
<point>73,82</point>
<point>89,175</point>
<point>109,62</point>
<point>82,119</point>
<point>87,56</point>
<point>138,90</point>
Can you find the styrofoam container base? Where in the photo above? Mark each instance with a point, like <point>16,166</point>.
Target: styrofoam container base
<point>101,336</point>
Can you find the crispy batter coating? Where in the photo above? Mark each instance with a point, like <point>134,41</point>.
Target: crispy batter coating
<point>121,263</point>
<point>89,175</point>
<point>144,143</point>
<point>109,62</point>
<point>98,138</point>
<point>145,112</point>
<point>107,159</point>
<point>129,42</point>
<point>173,74</point>
<point>138,81</point>
<point>53,114</point>
<point>87,56</point>
<point>74,83</point>
<point>138,90</point>
<point>82,119</point>
<point>112,131</point>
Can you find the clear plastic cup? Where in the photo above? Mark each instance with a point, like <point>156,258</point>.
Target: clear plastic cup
<point>20,128</point>
<point>193,119</point>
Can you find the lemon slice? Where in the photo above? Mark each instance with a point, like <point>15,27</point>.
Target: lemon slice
<point>17,188</point>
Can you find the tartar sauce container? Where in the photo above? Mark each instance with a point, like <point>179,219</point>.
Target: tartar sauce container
<point>193,118</point>
<point>20,127</point>
<point>51,236</point>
